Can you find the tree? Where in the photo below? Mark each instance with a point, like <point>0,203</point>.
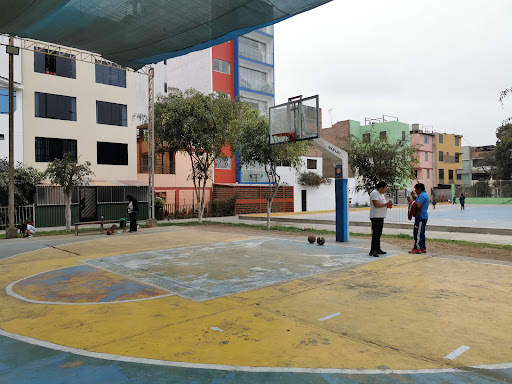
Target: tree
<point>502,169</point>
<point>199,125</point>
<point>482,189</point>
<point>25,182</point>
<point>253,147</point>
<point>68,173</point>
<point>380,160</point>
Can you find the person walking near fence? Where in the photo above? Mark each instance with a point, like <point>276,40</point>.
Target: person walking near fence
<point>378,210</point>
<point>420,221</point>
<point>462,200</point>
<point>133,208</point>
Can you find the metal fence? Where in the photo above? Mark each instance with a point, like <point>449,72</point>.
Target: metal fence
<point>487,188</point>
<point>21,215</point>
<point>397,214</point>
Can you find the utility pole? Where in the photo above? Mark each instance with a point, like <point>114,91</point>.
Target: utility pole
<point>151,221</point>
<point>11,231</point>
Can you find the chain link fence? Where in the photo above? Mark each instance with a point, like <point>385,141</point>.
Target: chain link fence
<point>488,188</point>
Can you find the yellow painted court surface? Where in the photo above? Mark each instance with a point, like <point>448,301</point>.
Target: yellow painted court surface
<point>400,312</point>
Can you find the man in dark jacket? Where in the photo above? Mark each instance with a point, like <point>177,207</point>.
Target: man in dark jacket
<point>133,208</point>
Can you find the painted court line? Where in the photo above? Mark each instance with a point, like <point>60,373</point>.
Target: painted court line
<point>329,316</point>
<point>139,360</point>
<point>459,351</point>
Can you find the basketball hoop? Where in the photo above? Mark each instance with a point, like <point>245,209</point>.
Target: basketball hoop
<point>289,135</point>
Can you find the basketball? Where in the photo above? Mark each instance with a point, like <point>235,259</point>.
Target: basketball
<point>311,238</point>
<point>320,241</point>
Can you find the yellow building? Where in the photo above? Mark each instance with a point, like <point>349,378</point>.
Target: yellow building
<point>448,158</point>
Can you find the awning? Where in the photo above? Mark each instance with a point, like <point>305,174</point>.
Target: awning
<point>139,32</point>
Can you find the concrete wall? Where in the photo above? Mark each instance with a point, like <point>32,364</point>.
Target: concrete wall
<point>85,130</point>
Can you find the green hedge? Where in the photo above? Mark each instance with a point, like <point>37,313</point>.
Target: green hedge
<point>223,207</point>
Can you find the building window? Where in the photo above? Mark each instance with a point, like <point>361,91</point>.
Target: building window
<point>111,114</point>
<point>403,135</point>
<point>221,66</point>
<point>428,173</point>
<point>425,139</point>
<point>49,149</point>
<point>383,135</point>
<point>457,158</point>
<point>440,156</point>
<point>416,174</point>
<point>165,87</point>
<point>2,137</point>
<point>106,74</point>
<point>58,107</point>
<point>311,164</point>
<point>165,62</point>
<point>441,176</point>
<point>257,104</point>
<point>459,176</point>
<point>255,80</point>
<point>223,163</point>
<point>457,141</point>
<point>254,50</point>
<point>54,63</point>
<point>112,153</point>
<point>366,137</point>
<point>426,156</point>
<point>450,174</point>
<point>440,138</point>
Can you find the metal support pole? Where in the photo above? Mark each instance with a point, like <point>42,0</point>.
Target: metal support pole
<point>11,50</point>
<point>151,221</point>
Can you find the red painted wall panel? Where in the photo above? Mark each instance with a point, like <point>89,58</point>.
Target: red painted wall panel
<point>224,83</point>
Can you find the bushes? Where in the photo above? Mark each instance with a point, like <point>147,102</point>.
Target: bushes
<point>159,208</point>
<point>223,207</point>
<point>312,179</point>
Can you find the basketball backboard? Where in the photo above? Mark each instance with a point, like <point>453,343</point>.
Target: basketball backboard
<point>296,120</point>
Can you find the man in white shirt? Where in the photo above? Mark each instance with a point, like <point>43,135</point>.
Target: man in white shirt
<point>29,232</point>
<point>378,210</point>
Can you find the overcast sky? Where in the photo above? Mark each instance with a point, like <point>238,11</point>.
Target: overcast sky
<point>440,63</point>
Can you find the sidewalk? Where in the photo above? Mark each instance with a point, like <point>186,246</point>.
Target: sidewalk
<point>314,220</point>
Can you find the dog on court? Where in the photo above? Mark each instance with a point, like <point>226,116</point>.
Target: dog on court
<point>112,230</point>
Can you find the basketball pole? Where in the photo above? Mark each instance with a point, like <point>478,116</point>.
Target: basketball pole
<point>340,159</point>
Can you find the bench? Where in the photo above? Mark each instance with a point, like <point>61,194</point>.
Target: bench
<point>100,222</point>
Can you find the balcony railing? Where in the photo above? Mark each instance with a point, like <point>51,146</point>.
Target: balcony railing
<point>256,54</point>
<point>256,85</point>
<point>253,176</point>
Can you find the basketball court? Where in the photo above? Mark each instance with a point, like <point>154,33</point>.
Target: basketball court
<point>204,305</point>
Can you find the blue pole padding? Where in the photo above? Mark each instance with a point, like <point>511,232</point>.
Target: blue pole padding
<point>341,192</point>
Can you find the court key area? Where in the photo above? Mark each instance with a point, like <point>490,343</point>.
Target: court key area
<point>205,305</point>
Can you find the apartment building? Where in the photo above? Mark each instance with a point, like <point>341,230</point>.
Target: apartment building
<point>422,140</point>
<point>80,108</point>
<point>84,109</point>
<point>448,160</point>
<point>243,67</point>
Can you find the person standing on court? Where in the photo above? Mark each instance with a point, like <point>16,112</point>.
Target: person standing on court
<point>133,208</point>
<point>462,201</point>
<point>378,210</point>
<point>420,221</point>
